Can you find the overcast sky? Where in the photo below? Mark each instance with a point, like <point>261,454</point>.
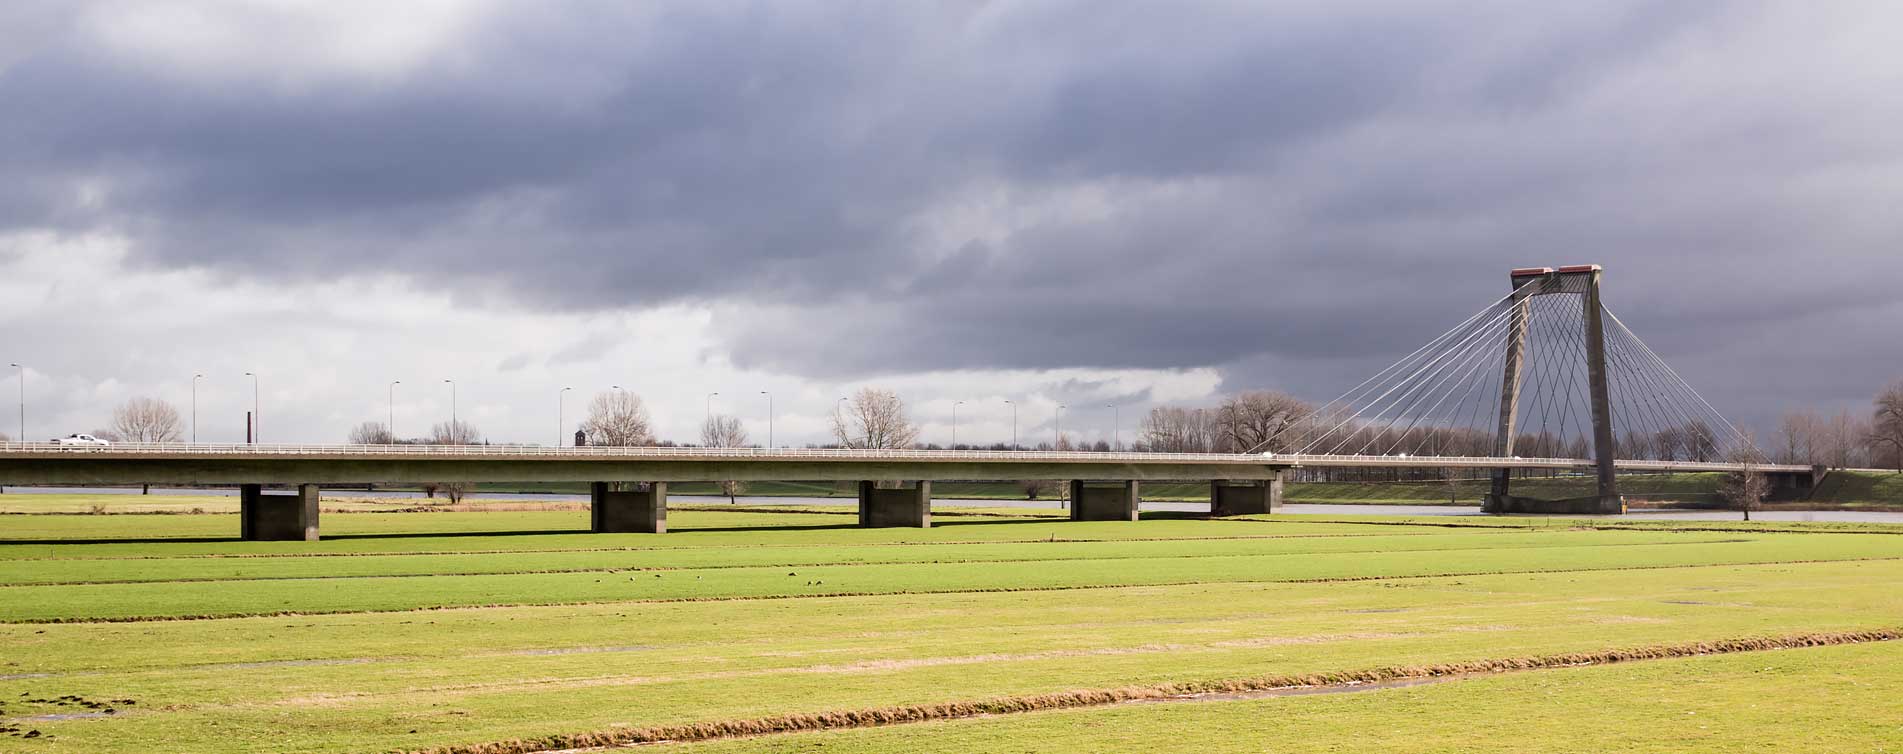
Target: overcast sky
<point>1088,203</point>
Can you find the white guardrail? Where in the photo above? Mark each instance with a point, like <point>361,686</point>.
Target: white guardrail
<point>182,450</point>
<point>138,449</point>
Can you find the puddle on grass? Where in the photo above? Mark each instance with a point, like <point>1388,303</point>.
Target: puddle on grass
<point>61,716</point>
<point>1346,688</point>
<point>579,650</point>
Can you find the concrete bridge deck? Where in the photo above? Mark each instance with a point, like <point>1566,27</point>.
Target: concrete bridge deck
<point>629,485</point>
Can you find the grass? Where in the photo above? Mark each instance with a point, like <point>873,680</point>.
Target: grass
<point>1708,705</point>
<point>1862,489</point>
<point>430,631</point>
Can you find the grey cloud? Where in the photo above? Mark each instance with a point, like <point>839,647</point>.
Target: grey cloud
<point>1288,192</point>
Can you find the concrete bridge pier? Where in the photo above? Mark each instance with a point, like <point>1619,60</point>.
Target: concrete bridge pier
<point>1117,503</point>
<point>641,510</point>
<point>1227,498</point>
<point>1796,485</point>
<point>275,516</point>
<point>911,506</point>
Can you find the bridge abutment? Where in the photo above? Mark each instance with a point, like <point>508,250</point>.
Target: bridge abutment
<point>909,506</point>
<point>1117,503</point>
<point>1796,485</point>
<point>1229,498</point>
<point>642,510</point>
<point>274,516</point>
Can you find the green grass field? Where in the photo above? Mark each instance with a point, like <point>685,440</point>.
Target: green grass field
<point>518,631</point>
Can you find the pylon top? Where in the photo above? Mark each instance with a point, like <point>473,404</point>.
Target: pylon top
<point>1527,272</point>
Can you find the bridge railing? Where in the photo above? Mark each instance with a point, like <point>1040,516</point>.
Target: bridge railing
<point>333,450</point>
<point>609,451</point>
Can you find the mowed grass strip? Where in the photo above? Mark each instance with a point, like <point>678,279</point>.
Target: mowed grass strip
<point>684,664</point>
<point>38,537</point>
<point>254,597</point>
<point>1829,700</point>
<point>70,571</point>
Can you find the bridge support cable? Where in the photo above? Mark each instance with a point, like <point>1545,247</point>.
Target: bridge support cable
<point>1348,421</point>
<point>1366,430</point>
<point>1546,372</point>
<point>1431,383</point>
<point>1692,405</point>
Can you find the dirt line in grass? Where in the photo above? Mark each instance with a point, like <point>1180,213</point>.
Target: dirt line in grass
<point>1190,690</point>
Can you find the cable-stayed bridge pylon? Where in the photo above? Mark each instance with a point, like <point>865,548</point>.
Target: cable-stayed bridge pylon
<point>1546,371</point>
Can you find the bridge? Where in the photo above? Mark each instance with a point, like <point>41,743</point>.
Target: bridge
<point>628,485</point>
<point>1536,371</point>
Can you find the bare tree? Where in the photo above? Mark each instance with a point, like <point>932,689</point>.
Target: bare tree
<point>1450,479</point>
<point>1258,421</point>
<point>146,420</point>
<point>1843,440</point>
<point>4,437</point>
<point>873,418</point>
<point>723,431</point>
<point>1172,429</point>
<point>618,418</point>
<point>456,432</point>
<point>371,433</point>
<point>1035,487</point>
<point>1745,488</point>
<point>1886,424</point>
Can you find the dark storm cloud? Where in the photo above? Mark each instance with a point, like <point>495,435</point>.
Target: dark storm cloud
<point>891,188</point>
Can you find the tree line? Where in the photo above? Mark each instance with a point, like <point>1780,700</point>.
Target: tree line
<point>1844,440</point>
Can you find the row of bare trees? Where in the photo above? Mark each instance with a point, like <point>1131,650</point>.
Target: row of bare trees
<point>1844,440</point>
<point>1254,421</point>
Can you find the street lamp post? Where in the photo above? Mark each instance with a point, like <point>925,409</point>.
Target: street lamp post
<point>1057,427</point>
<point>195,379</point>
<point>257,417</point>
<point>455,432</point>
<point>955,405</point>
<point>561,410</point>
<point>769,417</point>
<point>1014,425</point>
<point>1116,427</point>
<point>710,411</point>
<point>392,426</point>
<point>22,400</point>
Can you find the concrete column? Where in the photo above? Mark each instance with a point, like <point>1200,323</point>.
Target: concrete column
<point>273,516</point>
<point>895,507</point>
<point>642,511</point>
<point>1509,396</point>
<point>1596,386</point>
<point>1117,503</point>
<point>1227,498</point>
